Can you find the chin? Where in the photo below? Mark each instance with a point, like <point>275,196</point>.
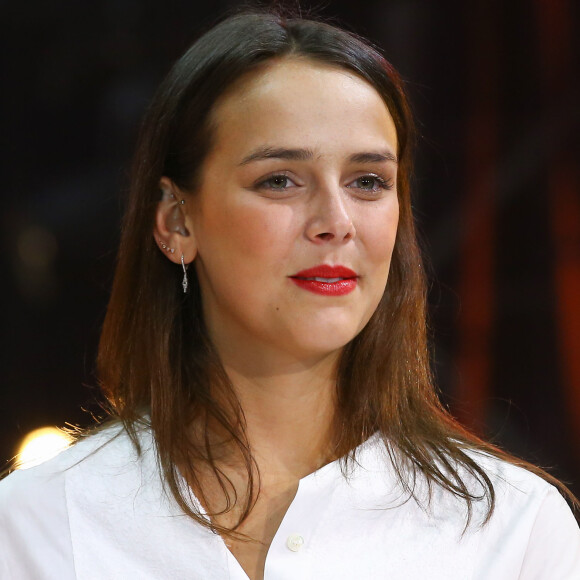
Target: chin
<point>322,342</point>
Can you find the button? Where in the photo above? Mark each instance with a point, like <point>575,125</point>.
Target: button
<point>294,542</point>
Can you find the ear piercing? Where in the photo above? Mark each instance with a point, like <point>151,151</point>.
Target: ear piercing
<point>170,194</point>
<point>185,281</point>
<point>166,247</point>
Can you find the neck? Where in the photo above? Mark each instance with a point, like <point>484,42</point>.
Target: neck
<point>289,415</point>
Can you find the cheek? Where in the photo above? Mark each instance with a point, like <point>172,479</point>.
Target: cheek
<point>380,234</point>
<point>263,231</point>
<point>247,232</point>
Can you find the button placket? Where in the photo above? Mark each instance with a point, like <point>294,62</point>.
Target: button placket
<point>290,554</point>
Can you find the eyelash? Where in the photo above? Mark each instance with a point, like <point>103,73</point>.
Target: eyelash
<point>264,182</point>
<point>383,184</point>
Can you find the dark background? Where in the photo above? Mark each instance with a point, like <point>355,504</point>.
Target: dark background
<point>495,86</point>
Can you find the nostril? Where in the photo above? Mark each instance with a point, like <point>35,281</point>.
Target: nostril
<point>326,236</point>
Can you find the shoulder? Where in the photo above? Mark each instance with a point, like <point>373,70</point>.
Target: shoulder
<point>531,533</point>
<point>516,488</point>
<point>92,461</point>
<point>520,495</point>
<point>510,482</point>
<point>99,510</point>
<point>35,503</point>
<point>30,485</point>
<point>520,491</point>
<point>531,514</point>
<point>521,498</point>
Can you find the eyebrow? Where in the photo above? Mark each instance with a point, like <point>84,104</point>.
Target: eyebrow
<point>373,157</point>
<point>278,153</point>
<point>263,153</point>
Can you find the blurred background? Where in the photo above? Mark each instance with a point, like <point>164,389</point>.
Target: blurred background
<point>496,90</point>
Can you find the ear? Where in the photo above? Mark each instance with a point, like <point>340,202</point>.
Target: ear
<point>173,225</point>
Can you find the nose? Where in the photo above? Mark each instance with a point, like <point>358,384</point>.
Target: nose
<point>331,220</point>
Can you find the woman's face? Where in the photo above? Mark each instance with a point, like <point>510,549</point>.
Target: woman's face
<point>296,215</point>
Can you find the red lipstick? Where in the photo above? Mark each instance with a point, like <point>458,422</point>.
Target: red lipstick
<point>326,280</point>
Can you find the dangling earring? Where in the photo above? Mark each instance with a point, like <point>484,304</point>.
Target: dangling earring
<point>184,283</point>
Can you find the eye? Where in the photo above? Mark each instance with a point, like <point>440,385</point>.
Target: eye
<point>276,182</point>
<point>371,183</point>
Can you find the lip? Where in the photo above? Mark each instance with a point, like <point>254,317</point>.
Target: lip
<point>346,284</point>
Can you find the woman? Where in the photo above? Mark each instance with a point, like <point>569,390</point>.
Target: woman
<point>264,351</point>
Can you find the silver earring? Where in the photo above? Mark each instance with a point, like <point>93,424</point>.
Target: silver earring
<point>184,283</point>
<point>166,247</point>
<point>167,194</point>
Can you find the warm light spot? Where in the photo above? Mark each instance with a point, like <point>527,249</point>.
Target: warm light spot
<point>37,247</point>
<point>40,445</point>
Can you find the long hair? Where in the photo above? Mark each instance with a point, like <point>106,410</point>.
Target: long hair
<point>155,356</point>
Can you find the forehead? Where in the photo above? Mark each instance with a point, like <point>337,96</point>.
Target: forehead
<point>298,102</point>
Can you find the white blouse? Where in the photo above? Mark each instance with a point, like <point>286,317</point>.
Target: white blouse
<point>101,512</point>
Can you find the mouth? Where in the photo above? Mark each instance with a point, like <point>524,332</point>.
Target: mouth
<point>326,280</point>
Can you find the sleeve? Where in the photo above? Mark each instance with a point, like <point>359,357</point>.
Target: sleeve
<point>34,532</point>
<point>553,551</point>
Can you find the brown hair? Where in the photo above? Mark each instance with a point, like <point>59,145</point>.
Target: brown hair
<point>155,356</point>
